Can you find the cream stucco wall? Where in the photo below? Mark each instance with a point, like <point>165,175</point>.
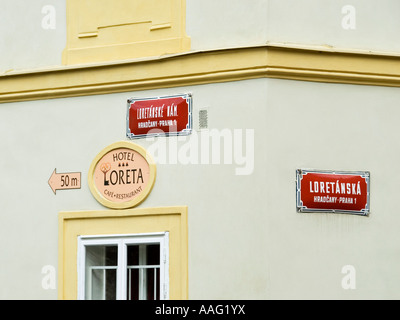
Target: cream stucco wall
<point>357,24</point>
<point>246,239</point>
<point>25,44</point>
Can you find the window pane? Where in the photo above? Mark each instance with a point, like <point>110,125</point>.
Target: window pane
<point>101,255</point>
<point>133,284</point>
<point>103,284</point>
<point>153,254</point>
<point>111,284</point>
<point>153,283</point>
<point>143,280</point>
<point>101,272</point>
<point>133,255</point>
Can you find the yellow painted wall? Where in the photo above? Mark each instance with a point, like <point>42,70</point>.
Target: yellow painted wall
<point>102,30</point>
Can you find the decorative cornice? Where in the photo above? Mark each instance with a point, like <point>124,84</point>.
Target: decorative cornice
<point>193,68</point>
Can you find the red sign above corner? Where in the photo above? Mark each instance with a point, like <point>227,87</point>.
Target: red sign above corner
<point>329,191</point>
<point>159,116</point>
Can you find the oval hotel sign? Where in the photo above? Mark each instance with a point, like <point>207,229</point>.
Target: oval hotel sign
<point>122,175</point>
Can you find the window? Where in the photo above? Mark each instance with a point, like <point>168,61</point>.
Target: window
<point>74,232</point>
<point>123,267</point>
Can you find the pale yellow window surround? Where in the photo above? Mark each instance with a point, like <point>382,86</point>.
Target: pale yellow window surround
<point>104,30</point>
<point>130,221</point>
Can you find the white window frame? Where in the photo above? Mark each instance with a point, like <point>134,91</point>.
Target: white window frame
<point>122,241</point>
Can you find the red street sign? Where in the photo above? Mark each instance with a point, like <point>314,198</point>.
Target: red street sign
<point>159,116</point>
<point>330,191</point>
